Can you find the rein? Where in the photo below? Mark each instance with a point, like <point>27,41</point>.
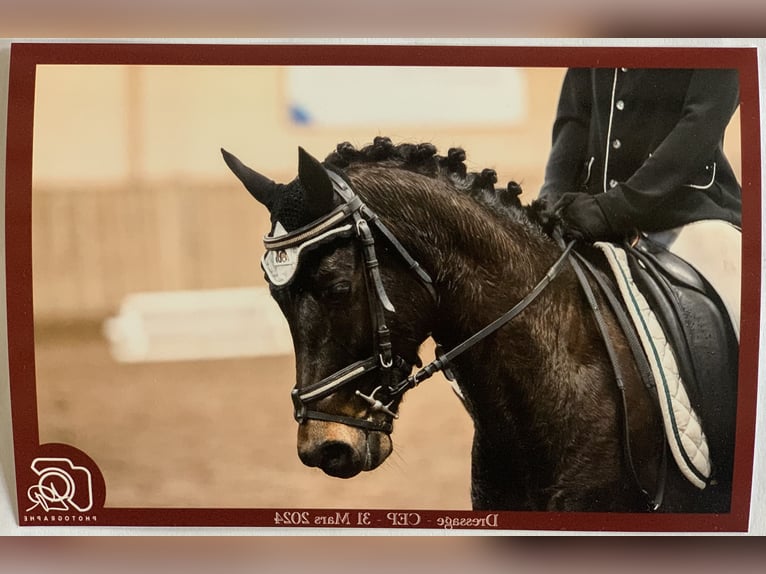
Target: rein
<point>443,360</point>
<point>579,262</point>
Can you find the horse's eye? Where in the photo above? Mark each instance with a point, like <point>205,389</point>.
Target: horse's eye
<point>338,289</point>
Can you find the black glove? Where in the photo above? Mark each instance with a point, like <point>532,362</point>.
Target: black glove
<point>541,212</point>
<point>582,218</point>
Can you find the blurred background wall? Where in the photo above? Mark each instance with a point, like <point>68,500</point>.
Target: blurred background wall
<point>131,194</point>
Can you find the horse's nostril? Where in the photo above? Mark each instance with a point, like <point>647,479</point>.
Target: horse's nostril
<point>337,459</point>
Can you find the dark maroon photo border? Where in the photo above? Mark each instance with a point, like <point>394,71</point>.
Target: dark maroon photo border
<point>26,56</point>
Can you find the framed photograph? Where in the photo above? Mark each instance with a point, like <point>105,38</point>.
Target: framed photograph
<point>367,286</point>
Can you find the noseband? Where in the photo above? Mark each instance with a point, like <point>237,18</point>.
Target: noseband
<point>352,218</point>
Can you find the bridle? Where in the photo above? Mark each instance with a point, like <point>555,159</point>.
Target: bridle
<point>353,218</point>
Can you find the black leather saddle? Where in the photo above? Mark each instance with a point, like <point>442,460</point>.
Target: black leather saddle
<point>698,327</point>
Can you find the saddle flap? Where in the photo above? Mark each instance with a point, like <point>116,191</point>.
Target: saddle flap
<point>692,322</point>
<point>696,323</point>
<point>678,271</point>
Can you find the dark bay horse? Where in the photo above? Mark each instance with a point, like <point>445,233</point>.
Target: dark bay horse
<point>377,249</point>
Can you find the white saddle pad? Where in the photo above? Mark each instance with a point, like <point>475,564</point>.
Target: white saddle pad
<point>683,430</point>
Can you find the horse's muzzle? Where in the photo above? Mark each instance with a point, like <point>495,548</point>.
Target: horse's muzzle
<point>337,459</point>
<point>339,450</point>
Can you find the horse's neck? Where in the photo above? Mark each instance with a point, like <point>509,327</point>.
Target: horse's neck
<point>482,267</point>
<point>481,264</point>
<point>482,280</point>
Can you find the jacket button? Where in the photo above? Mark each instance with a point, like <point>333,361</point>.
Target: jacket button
<point>620,105</point>
<point>623,69</point>
<point>616,144</point>
<point>612,183</point>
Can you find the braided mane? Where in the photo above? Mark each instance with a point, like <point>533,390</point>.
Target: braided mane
<point>422,158</point>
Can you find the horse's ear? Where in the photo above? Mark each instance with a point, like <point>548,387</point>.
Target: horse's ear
<point>260,187</point>
<point>316,183</point>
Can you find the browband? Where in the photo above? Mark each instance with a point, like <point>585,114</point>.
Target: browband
<point>313,229</point>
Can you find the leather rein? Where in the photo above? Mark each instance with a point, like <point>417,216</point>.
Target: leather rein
<point>352,218</point>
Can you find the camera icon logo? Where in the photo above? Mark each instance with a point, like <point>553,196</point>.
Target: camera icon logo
<point>61,486</point>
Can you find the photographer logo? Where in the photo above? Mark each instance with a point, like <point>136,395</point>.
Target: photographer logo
<point>61,486</point>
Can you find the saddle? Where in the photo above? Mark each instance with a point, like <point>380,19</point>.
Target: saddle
<point>691,349</point>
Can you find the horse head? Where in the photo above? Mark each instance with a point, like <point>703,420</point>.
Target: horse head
<point>355,317</point>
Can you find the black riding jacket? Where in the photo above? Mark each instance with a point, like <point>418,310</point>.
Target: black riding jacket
<point>648,143</point>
